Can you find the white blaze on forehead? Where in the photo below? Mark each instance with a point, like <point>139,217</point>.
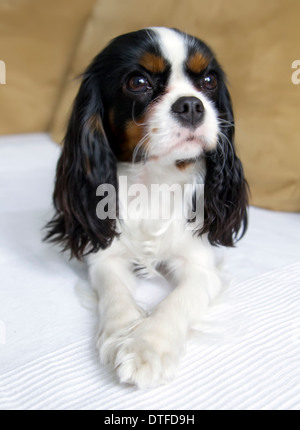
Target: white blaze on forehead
<point>172,139</point>
<point>174,49</point>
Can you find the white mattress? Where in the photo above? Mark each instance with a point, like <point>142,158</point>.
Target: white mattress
<point>248,357</point>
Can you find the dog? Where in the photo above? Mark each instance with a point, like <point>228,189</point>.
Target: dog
<point>153,108</point>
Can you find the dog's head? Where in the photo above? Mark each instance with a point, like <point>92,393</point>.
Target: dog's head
<point>155,94</point>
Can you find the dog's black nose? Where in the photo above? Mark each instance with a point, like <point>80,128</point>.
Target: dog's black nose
<point>189,111</point>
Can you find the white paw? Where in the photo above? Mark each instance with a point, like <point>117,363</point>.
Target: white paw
<point>109,334</point>
<point>148,354</point>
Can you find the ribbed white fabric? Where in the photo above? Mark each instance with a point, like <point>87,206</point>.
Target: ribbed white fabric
<point>253,364</point>
<point>247,357</point>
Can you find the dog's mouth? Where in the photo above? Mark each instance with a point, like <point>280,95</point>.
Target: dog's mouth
<point>181,144</point>
<point>187,148</point>
<point>190,141</point>
<point>191,138</point>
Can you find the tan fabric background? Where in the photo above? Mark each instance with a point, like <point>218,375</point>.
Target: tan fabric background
<point>37,40</point>
<point>255,41</point>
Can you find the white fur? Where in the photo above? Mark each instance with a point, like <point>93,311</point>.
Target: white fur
<point>145,349</point>
<point>168,140</point>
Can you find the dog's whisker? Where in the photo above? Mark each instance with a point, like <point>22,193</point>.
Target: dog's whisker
<point>139,146</point>
<point>230,149</point>
<point>225,122</point>
<point>135,121</point>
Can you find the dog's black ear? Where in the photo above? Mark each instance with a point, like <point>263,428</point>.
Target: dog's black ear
<point>225,187</point>
<point>86,162</point>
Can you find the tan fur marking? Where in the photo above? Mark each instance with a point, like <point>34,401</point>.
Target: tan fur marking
<point>153,63</point>
<point>95,125</point>
<point>125,141</point>
<point>134,133</point>
<point>111,119</point>
<point>197,63</point>
<point>183,165</point>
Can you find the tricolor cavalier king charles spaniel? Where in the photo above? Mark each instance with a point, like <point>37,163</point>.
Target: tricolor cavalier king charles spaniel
<point>153,108</point>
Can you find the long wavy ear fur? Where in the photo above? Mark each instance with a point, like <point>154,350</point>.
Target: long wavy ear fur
<point>86,162</point>
<point>226,190</point>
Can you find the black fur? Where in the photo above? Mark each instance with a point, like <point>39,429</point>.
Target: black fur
<point>86,162</point>
<point>225,188</point>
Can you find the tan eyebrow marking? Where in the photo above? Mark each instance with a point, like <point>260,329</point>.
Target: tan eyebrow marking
<point>153,63</point>
<point>197,62</point>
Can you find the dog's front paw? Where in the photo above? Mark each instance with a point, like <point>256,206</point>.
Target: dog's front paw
<point>148,355</point>
<point>114,330</point>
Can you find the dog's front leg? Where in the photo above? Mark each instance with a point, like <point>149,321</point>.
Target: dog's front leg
<point>149,356</point>
<point>112,277</point>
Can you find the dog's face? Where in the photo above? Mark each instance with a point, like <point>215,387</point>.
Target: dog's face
<point>160,89</point>
<point>155,95</point>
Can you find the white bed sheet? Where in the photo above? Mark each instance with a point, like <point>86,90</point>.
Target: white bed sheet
<point>247,358</point>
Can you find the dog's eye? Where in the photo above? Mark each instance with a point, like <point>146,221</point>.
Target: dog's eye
<point>138,84</point>
<point>209,82</point>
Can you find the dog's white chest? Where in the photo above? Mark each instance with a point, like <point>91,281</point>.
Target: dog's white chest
<point>154,207</point>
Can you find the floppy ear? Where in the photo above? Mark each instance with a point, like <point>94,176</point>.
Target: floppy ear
<point>86,162</point>
<point>225,188</point>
